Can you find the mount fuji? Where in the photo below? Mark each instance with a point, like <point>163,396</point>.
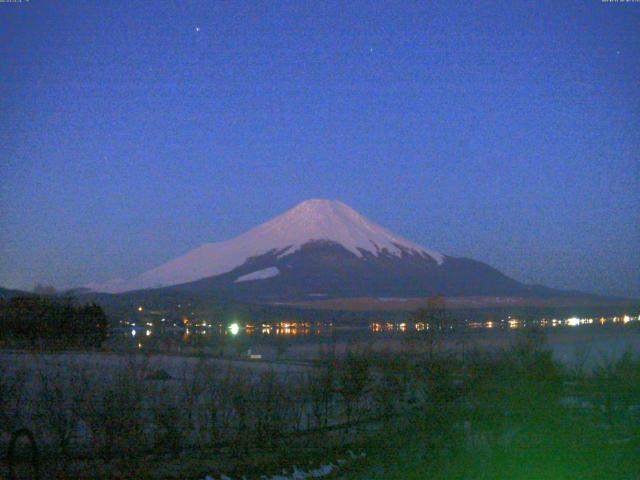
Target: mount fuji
<point>322,249</point>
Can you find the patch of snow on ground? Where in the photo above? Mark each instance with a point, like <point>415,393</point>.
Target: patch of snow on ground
<point>259,274</point>
<point>322,471</point>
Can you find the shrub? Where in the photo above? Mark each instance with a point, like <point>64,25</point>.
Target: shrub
<point>62,392</point>
<point>354,377</point>
<point>12,385</point>
<point>114,411</point>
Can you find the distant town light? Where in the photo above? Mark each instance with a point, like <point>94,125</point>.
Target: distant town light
<point>234,328</point>
<point>140,308</point>
<point>573,321</point>
<point>133,332</point>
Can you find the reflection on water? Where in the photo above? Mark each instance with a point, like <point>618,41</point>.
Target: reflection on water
<point>296,328</point>
<point>188,330</point>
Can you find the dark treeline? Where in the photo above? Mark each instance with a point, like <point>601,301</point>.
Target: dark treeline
<point>52,322</point>
<point>219,307</point>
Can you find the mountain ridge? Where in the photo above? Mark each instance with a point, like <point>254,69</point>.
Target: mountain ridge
<point>323,249</point>
<point>314,219</point>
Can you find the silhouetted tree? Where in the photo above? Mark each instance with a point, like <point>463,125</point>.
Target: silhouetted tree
<point>433,322</point>
<point>354,378</point>
<point>320,389</point>
<point>55,322</point>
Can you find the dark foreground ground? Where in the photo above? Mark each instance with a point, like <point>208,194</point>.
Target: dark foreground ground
<point>513,413</point>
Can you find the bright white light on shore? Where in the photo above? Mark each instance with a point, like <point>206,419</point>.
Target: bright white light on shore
<point>148,332</point>
<point>133,332</point>
<point>573,321</point>
<point>234,328</point>
<point>140,309</point>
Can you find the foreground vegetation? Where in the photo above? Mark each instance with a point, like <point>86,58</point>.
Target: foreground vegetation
<point>51,322</point>
<point>417,414</point>
<point>517,415</point>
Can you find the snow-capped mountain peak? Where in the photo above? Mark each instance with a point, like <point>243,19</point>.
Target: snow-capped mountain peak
<point>315,219</point>
<point>319,219</point>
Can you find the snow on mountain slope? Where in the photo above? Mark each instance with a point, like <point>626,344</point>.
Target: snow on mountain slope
<point>259,274</point>
<point>314,219</point>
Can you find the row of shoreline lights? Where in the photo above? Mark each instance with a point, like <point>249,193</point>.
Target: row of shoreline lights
<point>234,328</point>
<point>512,323</point>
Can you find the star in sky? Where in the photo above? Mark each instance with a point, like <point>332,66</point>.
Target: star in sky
<point>197,29</point>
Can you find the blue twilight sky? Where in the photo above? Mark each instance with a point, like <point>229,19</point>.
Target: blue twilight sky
<point>133,131</point>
